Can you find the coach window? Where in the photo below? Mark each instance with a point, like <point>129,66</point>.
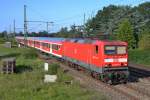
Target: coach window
<point>55,47</point>
<point>43,44</point>
<point>38,43</point>
<point>96,49</point>
<point>46,45</point>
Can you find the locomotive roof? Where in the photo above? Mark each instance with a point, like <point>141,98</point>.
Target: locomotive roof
<point>75,40</point>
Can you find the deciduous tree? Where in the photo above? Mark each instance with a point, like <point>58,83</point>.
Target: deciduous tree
<point>125,33</point>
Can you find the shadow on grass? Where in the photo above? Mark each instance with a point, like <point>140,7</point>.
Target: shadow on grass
<point>9,55</point>
<point>23,68</point>
<point>14,46</point>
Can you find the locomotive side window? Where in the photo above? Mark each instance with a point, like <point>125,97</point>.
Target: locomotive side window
<point>110,50</point>
<point>121,50</point>
<point>96,49</point>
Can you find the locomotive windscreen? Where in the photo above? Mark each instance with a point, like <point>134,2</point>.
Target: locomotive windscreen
<point>115,50</point>
<point>121,49</point>
<point>110,50</point>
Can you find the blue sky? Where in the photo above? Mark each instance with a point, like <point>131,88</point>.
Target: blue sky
<point>61,12</point>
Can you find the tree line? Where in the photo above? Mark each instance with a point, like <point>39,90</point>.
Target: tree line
<point>126,23</point>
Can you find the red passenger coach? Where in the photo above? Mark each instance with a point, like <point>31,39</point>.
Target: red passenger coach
<point>106,60</point>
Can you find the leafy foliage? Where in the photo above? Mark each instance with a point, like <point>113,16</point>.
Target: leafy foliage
<point>107,21</point>
<point>2,40</point>
<point>125,33</point>
<point>144,42</point>
<point>53,69</point>
<point>74,32</point>
<point>139,56</point>
<point>29,54</point>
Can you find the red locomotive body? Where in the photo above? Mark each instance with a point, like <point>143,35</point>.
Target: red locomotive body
<point>106,60</point>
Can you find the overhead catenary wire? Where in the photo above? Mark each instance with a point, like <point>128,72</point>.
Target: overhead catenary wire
<point>67,21</point>
<point>59,21</point>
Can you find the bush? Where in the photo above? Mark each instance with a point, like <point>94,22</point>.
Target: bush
<point>139,56</point>
<point>125,33</point>
<point>29,54</point>
<point>2,40</point>
<point>53,69</point>
<point>144,42</point>
<point>13,41</point>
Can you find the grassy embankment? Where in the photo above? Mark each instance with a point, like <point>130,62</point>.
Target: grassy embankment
<point>2,40</point>
<point>27,83</point>
<point>140,57</point>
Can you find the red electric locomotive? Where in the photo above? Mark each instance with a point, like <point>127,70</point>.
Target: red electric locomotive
<point>106,60</point>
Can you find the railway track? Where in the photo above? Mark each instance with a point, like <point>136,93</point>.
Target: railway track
<point>130,91</point>
<point>140,88</point>
<point>139,83</point>
<point>139,72</point>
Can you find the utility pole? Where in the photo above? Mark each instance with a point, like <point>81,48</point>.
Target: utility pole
<point>14,27</point>
<point>25,23</point>
<point>9,32</point>
<point>84,19</point>
<point>9,29</point>
<point>47,26</point>
<point>84,33</point>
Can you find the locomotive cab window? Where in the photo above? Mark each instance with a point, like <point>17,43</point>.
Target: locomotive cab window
<point>115,50</point>
<point>121,50</point>
<point>110,50</point>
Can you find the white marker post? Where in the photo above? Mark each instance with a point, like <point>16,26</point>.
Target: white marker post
<point>46,66</point>
<point>19,45</point>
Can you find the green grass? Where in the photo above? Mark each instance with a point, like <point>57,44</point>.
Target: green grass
<point>2,40</point>
<point>27,83</point>
<point>140,57</point>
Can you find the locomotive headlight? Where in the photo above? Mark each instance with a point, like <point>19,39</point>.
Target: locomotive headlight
<point>122,59</point>
<point>108,60</point>
<point>125,64</point>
